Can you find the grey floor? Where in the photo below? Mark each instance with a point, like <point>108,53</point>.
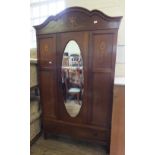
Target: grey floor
<point>64,146</point>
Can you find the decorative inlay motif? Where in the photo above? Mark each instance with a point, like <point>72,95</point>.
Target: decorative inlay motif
<point>102,46</point>
<point>102,53</point>
<point>73,21</point>
<point>46,48</point>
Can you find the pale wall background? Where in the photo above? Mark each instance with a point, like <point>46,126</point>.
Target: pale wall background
<point>111,8</point>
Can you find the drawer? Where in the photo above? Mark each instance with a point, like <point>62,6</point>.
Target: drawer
<point>79,132</point>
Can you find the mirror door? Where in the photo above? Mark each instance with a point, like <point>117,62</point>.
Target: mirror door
<point>72,75</point>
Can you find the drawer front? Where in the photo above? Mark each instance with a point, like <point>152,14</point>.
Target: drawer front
<point>79,132</point>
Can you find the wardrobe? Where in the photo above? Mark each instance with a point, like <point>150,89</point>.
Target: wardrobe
<point>76,64</point>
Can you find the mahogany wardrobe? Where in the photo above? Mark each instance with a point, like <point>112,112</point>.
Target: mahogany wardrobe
<point>76,58</point>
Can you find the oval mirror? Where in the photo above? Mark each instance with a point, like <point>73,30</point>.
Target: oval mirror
<point>72,78</point>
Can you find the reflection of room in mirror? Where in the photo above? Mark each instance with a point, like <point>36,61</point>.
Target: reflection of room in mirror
<point>72,108</point>
<point>72,78</point>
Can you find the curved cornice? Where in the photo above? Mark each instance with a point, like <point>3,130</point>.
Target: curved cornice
<point>78,9</point>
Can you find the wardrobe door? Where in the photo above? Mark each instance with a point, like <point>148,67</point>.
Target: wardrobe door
<point>81,40</point>
<point>48,76</point>
<point>103,59</point>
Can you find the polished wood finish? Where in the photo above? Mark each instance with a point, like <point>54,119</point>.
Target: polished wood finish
<point>82,40</point>
<point>47,51</point>
<point>48,93</point>
<point>118,122</point>
<point>96,35</point>
<point>77,18</point>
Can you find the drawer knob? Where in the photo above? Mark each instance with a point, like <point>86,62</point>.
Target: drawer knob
<point>50,62</point>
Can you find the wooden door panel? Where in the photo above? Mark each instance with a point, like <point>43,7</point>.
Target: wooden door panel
<point>102,50</point>
<point>102,77</point>
<point>47,51</point>
<point>81,39</point>
<point>48,93</point>
<point>101,98</point>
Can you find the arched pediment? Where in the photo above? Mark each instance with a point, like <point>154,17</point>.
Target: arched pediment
<point>78,19</point>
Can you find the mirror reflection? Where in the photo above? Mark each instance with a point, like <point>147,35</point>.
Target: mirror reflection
<point>72,78</point>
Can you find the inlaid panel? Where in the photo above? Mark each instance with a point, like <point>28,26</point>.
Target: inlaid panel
<point>47,52</point>
<point>48,93</point>
<point>102,50</point>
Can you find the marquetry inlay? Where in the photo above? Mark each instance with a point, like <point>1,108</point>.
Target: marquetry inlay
<point>73,21</point>
<point>102,48</point>
<point>45,48</point>
<point>101,52</point>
